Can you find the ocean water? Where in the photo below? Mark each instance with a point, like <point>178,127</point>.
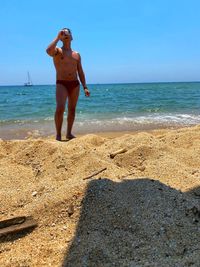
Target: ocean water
<point>28,111</point>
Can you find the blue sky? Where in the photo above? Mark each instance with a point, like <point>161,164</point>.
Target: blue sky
<point>119,40</point>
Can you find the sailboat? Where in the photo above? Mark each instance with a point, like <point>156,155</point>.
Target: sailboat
<point>29,82</point>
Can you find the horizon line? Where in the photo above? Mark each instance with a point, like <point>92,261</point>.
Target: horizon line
<point>38,84</point>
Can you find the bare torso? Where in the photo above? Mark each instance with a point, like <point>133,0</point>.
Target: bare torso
<point>66,64</point>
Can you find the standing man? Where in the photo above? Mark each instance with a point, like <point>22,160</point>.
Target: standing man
<point>68,66</point>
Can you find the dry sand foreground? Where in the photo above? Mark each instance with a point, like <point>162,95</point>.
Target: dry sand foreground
<point>143,210</point>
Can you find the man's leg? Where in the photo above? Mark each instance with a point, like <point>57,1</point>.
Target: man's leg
<point>61,96</point>
<point>73,95</point>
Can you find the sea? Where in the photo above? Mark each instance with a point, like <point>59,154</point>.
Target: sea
<point>29,111</point>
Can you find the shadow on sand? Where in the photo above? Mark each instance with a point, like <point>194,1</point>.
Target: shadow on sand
<point>139,222</point>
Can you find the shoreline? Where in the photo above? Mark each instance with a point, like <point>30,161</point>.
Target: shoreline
<point>46,130</point>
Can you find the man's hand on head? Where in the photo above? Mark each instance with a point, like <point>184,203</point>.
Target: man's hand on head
<point>63,34</point>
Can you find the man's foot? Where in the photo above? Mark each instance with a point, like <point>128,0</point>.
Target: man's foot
<point>58,137</point>
<point>70,136</point>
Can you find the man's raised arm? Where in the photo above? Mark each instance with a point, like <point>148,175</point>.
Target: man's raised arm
<point>52,50</point>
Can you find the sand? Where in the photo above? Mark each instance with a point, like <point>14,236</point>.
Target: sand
<point>142,210</point>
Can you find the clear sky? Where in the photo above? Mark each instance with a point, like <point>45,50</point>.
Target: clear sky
<point>119,40</point>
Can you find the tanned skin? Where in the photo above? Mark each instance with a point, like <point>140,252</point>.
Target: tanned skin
<point>68,68</point>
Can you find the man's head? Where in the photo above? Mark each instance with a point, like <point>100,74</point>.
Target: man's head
<point>67,34</point>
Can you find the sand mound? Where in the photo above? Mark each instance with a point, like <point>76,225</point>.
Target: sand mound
<point>142,210</point>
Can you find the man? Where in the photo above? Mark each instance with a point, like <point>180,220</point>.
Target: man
<point>68,66</point>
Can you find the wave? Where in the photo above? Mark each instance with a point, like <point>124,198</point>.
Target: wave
<point>112,119</point>
<point>146,119</point>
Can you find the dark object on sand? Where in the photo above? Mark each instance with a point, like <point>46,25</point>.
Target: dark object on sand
<point>17,224</point>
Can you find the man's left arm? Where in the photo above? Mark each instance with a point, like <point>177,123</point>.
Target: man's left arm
<point>81,75</point>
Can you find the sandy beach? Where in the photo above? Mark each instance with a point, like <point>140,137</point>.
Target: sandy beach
<point>141,209</point>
